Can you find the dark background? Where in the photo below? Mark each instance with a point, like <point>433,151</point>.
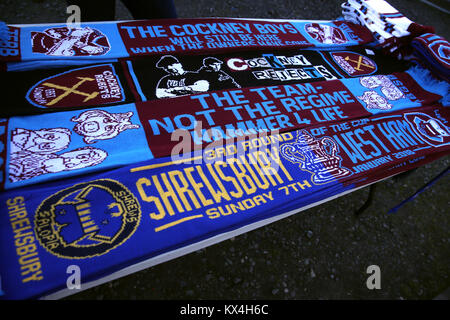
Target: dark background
<point>320,253</point>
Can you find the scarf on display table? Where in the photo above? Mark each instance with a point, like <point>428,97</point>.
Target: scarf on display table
<point>132,80</point>
<point>127,144</point>
<point>121,221</point>
<point>392,30</point>
<point>61,144</point>
<point>399,36</point>
<point>39,44</point>
<point>432,52</point>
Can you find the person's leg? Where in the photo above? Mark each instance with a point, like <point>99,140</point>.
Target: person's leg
<point>95,10</point>
<point>151,9</point>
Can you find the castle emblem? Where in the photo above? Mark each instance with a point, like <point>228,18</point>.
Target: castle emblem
<point>88,219</point>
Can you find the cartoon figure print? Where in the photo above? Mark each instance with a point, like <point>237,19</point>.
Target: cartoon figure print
<point>387,87</point>
<point>37,152</point>
<point>217,78</point>
<point>325,34</point>
<point>392,92</point>
<point>375,81</point>
<point>27,166</point>
<point>42,141</point>
<point>375,100</point>
<point>66,41</point>
<point>100,125</point>
<point>34,153</point>
<point>179,82</point>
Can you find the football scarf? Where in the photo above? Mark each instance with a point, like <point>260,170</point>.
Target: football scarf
<point>126,144</point>
<point>432,51</point>
<point>167,76</point>
<point>392,30</point>
<point>139,215</point>
<point>380,16</point>
<point>111,40</point>
<point>59,145</point>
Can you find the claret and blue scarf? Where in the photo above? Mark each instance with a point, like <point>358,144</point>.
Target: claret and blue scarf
<point>126,144</point>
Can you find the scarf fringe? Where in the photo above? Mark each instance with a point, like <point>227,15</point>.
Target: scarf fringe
<point>428,82</point>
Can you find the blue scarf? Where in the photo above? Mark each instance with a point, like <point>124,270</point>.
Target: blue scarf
<point>111,40</point>
<point>130,218</point>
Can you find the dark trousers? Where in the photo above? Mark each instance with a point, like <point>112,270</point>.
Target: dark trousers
<point>105,10</point>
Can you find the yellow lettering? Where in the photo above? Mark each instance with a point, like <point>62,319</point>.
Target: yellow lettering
<point>304,185</point>
<point>183,190</point>
<point>20,223</point>
<point>263,185</point>
<point>217,194</point>
<point>248,203</point>
<point>12,202</point>
<point>146,198</point>
<point>212,213</point>
<point>237,206</point>
<point>236,194</point>
<point>246,145</point>
<point>244,180</point>
<point>259,199</point>
<point>167,195</point>
<point>198,185</point>
<point>25,249</point>
<point>23,241</point>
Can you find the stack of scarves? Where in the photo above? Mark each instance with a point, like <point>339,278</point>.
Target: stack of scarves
<point>399,36</point>
<point>391,29</point>
<point>381,18</point>
<point>121,162</point>
<point>432,52</point>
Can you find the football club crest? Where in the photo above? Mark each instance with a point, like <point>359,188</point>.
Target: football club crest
<point>435,46</point>
<point>441,51</point>
<point>89,86</point>
<point>319,157</point>
<point>88,219</point>
<point>354,64</point>
<point>429,129</point>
